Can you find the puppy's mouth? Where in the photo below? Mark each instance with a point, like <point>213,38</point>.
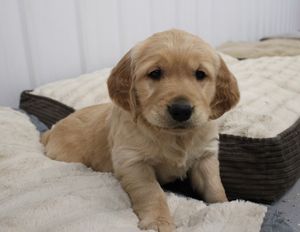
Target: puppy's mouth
<point>166,123</point>
<point>182,127</point>
<point>171,127</point>
<point>178,128</point>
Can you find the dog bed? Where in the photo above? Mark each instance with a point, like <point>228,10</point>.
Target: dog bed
<point>279,45</point>
<point>259,139</point>
<point>40,194</point>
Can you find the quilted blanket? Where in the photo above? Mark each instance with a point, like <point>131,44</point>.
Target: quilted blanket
<point>270,95</point>
<point>39,194</point>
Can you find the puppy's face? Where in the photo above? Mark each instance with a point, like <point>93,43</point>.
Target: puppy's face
<point>174,80</point>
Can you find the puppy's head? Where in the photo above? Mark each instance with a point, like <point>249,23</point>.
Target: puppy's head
<point>174,80</point>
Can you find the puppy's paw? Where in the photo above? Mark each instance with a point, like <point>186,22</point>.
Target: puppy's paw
<point>160,225</point>
<point>216,198</point>
<point>220,200</point>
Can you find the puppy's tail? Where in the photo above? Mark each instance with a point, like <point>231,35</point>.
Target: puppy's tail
<point>44,137</point>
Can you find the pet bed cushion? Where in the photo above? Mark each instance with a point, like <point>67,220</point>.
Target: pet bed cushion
<point>259,139</point>
<point>40,194</point>
<point>273,46</point>
<point>293,36</point>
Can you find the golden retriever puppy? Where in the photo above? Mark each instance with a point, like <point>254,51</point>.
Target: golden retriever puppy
<point>166,93</point>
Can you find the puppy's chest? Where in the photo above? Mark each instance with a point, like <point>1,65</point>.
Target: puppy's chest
<point>174,162</point>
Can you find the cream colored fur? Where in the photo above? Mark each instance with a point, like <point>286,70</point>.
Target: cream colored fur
<point>136,139</point>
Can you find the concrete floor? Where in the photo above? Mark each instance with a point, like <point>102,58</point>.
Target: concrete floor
<point>289,207</point>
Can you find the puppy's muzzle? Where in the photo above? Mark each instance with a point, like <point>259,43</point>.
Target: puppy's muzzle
<point>180,110</point>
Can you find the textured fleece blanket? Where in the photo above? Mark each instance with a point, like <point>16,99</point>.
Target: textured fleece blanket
<point>39,194</point>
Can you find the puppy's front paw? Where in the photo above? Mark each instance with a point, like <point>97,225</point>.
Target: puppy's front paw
<point>160,225</point>
<point>219,197</point>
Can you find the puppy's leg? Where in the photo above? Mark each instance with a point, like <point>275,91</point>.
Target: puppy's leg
<point>205,177</point>
<point>147,198</point>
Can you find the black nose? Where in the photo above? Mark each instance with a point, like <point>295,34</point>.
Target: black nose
<point>180,110</point>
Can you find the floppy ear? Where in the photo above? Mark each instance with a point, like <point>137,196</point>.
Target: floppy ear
<point>227,93</point>
<point>119,83</point>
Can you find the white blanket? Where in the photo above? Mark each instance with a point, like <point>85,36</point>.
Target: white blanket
<point>39,194</point>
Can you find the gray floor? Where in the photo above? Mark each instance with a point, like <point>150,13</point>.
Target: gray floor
<point>289,207</point>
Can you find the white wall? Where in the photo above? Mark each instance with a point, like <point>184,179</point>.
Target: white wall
<point>48,40</point>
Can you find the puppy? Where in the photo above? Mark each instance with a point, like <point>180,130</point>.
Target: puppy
<point>166,93</point>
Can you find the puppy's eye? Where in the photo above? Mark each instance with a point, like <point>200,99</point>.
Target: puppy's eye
<point>155,75</point>
<point>200,75</point>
